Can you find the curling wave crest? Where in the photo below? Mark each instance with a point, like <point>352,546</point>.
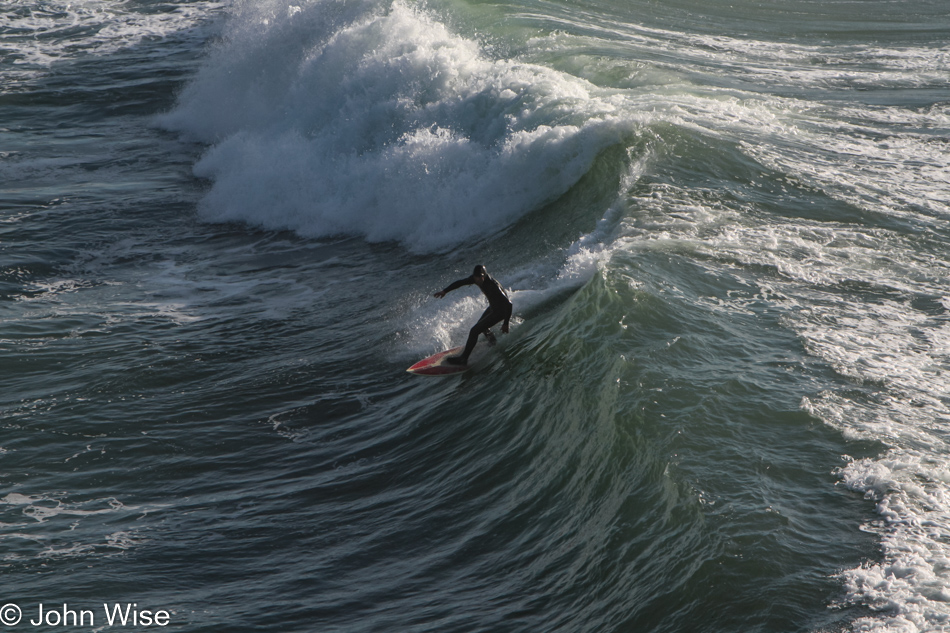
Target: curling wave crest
<point>334,118</point>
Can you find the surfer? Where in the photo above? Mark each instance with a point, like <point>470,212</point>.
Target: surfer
<point>499,309</point>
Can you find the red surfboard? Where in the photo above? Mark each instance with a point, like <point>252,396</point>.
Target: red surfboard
<point>435,365</point>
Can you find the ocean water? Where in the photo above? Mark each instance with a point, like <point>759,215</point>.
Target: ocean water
<point>724,404</point>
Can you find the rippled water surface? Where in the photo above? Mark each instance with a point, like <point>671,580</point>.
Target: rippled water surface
<point>723,402</point>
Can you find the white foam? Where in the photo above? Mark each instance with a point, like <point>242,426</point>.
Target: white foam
<point>43,508</point>
<point>66,515</point>
<point>828,66</point>
<point>904,353</point>
<point>760,64</point>
<point>344,118</point>
<point>910,588</point>
<point>903,175</point>
<point>873,304</point>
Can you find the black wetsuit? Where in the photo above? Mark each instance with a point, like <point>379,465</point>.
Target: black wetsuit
<point>499,309</point>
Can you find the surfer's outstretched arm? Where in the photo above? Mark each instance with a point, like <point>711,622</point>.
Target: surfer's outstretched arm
<point>452,286</point>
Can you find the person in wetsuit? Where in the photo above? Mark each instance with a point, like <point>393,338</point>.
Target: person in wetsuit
<point>499,309</point>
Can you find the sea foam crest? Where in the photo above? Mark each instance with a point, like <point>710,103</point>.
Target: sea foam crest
<point>352,118</point>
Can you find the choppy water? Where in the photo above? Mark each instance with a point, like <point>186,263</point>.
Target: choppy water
<point>723,405</point>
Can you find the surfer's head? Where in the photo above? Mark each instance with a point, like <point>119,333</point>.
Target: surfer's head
<point>479,275</point>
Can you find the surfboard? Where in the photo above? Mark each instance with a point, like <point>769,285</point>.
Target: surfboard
<point>435,365</point>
